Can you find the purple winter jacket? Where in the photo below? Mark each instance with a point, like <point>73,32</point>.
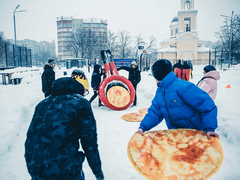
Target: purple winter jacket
<point>209,83</point>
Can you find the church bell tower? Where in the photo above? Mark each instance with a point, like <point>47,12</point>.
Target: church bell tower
<point>187,17</point>
<point>187,4</point>
<point>184,42</point>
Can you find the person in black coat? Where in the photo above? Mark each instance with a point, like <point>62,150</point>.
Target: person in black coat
<point>48,77</point>
<point>134,76</point>
<point>61,124</point>
<point>177,69</point>
<point>186,71</point>
<point>191,67</point>
<point>95,82</point>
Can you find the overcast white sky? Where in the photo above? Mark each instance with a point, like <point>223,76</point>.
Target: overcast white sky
<point>148,17</point>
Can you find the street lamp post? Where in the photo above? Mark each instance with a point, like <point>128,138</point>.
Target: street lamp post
<point>230,48</point>
<point>230,41</point>
<point>15,36</point>
<point>15,33</point>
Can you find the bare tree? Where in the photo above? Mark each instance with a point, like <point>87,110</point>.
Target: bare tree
<point>89,43</point>
<point>77,43</point>
<point>112,42</point>
<point>124,44</point>
<point>151,55</point>
<point>2,48</point>
<point>139,42</point>
<point>236,34</point>
<point>224,33</point>
<point>152,50</point>
<point>152,42</point>
<point>100,43</point>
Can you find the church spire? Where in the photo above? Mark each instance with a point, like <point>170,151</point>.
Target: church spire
<point>187,5</point>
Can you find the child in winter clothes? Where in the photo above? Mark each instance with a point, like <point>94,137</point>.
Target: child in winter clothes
<point>180,103</point>
<point>96,80</point>
<point>134,76</point>
<point>209,81</point>
<point>61,124</point>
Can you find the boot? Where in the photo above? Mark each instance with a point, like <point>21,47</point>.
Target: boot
<point>100,104</point>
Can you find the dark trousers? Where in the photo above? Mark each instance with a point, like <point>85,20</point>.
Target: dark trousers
<point>135,99</point>
<point>94,96</point>
<point>47,94</point>
<point>81,177</point>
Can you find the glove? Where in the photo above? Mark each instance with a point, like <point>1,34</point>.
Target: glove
<point>100,176</point>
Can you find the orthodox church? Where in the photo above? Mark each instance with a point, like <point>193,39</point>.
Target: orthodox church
<point>184,42</point>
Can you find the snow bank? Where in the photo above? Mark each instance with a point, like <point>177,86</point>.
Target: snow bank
<point>17,103</point>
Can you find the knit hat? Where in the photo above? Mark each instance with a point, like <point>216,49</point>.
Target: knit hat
<point>209,68</point>
<point>51,61</point>
<point>81,78</point>
<point>161,68</point>
<point>133,63</point>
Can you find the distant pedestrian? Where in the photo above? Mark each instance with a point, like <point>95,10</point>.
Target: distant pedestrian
<point>95,82</point>
<point>48,77</point>
<point>103,74</point>
<point>191,67</point>
<point>89,65</point>
<point>177,69</point>
<point>209,81</point>
<point>186,71</point>
<point>134,76</point>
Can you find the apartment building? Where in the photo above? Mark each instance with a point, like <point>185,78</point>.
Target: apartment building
<point>67,26</point>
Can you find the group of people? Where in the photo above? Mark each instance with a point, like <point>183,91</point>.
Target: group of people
<point>64,121</point>
<point>134,77</point>
<point>183,70</point>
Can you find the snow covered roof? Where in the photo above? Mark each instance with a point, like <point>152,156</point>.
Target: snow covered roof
<point>175,19</point>
<point>204,49</point>
<point>186,34</point>
<point>169,49</point>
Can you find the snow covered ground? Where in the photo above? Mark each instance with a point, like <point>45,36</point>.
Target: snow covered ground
<point>17,103</point>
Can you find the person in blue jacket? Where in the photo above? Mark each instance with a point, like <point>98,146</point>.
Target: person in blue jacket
<point>181,103</point>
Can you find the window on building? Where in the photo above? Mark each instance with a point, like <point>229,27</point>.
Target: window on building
<point>187,24</point>
<point>171,32</point>
<point>176,30</point>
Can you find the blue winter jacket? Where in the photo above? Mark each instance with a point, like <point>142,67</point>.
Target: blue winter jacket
<point>183,105</point>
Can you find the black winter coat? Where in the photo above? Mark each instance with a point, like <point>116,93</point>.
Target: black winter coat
<point>186,66</point>
<point>134,74</point>
<point>58,123</point>
<point>48,77</point>
<point>96,77</point>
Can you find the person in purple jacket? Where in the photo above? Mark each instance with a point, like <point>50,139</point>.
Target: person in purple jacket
<point>181,103</point>
<point>209,81</point>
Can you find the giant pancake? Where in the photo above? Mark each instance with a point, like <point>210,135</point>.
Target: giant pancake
<point>175,154</point>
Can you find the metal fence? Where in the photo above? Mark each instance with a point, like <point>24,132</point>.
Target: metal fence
<point>15,57</point>
<point>221,58</point>
<point>218,58</point>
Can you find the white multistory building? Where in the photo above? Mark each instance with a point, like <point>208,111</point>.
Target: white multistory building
<point>66,26</point>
